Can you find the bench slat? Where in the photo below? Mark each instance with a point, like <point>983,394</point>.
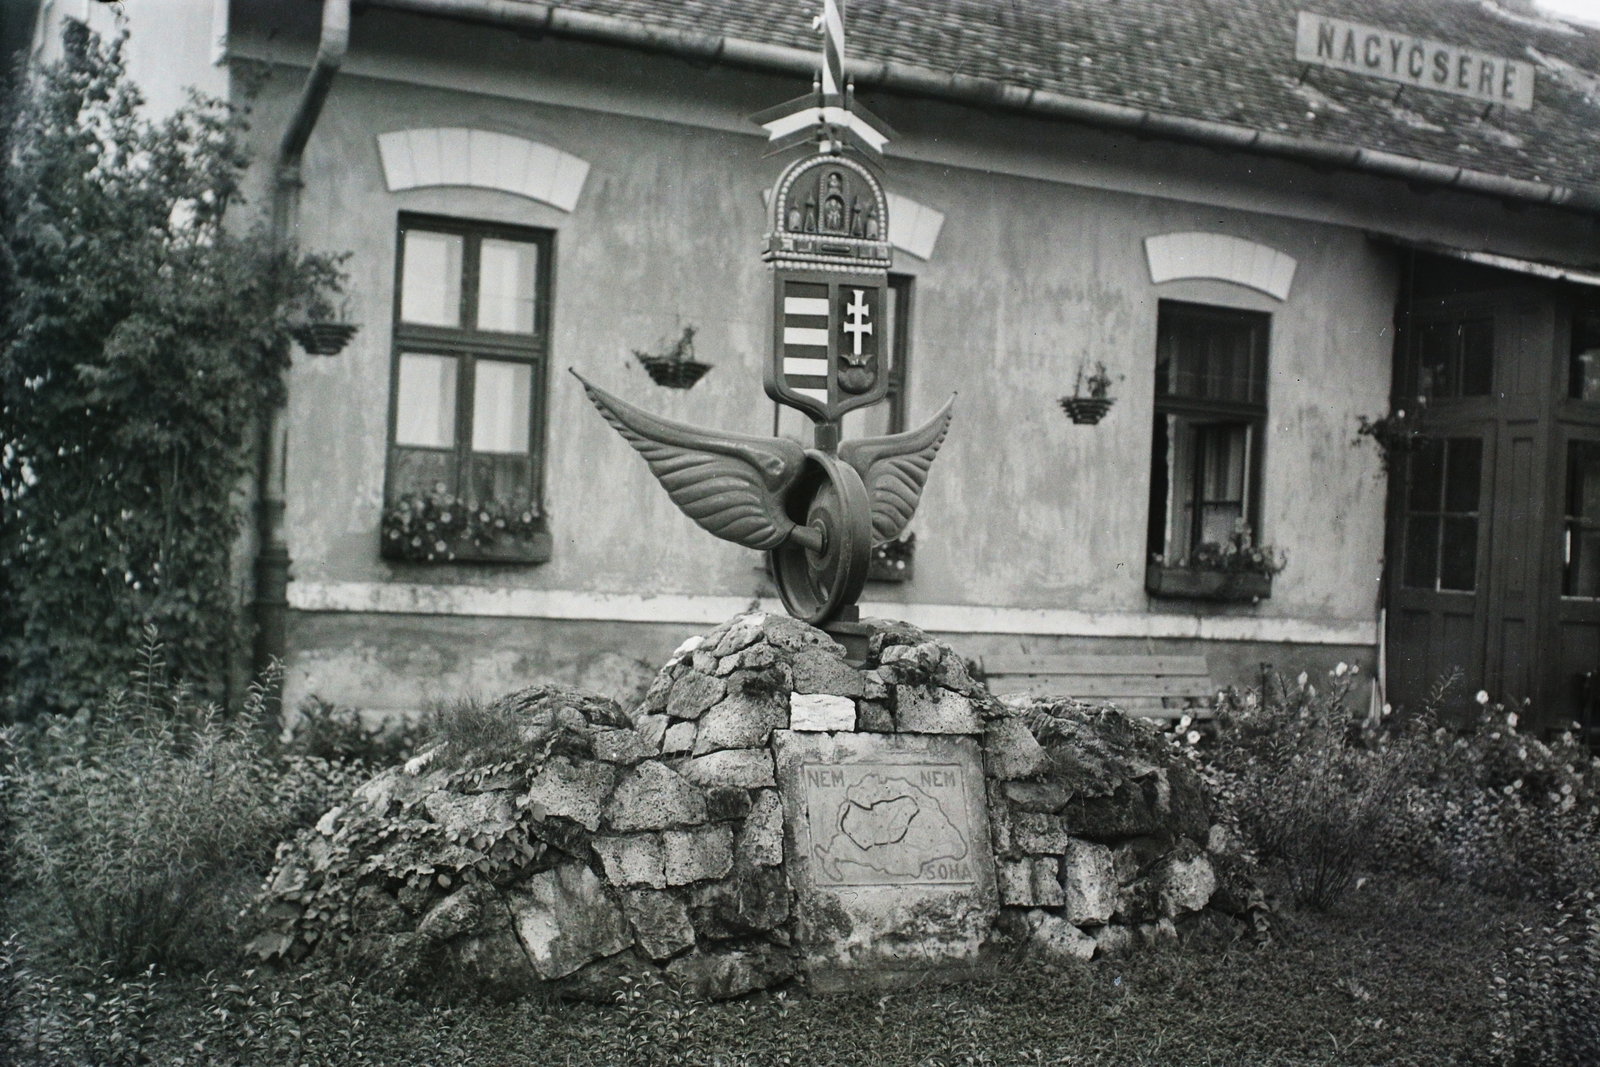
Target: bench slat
<point>1107,685</point>
<point>1089,664</point>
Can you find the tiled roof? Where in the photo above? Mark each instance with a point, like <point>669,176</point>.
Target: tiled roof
<point>1227,61</point>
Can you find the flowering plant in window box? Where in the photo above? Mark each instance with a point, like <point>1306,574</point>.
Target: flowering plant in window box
<point>676,368</point>
<point>1234,570</point>
<point>1089,410</point>
<point>894,561</point>
<point>439,527</point>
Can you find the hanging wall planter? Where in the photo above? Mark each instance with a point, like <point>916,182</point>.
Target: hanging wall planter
<point>676,368</point>
<point>1087,410</point>
<point>324,338</point>
<point>894,561</point>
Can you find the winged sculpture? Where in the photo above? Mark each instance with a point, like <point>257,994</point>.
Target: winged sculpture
<point>817,513</point>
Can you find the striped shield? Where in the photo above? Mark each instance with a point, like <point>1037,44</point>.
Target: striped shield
<point>827,344</point>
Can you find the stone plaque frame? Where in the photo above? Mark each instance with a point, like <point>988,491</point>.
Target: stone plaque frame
<point>870,927</point>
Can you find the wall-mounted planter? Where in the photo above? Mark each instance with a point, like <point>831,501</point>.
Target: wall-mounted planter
<point>535,548</point>
<point>674,373</point>
<point>324,338</point>
<point>894,561</point>
<point>1195,584</point>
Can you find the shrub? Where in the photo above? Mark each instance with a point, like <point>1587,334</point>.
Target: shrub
<point>1547,989</point>
<point>140,337</point>
<point>338,734</point>
<point>152,821</point>
<point>1307,785</point>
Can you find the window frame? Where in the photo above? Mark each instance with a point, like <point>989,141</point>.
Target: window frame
<point>1203,411</point>
<point>467,345</point>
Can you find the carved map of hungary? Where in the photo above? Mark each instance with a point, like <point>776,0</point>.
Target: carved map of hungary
<point>888,825</point>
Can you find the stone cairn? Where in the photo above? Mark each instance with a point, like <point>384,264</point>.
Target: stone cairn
<point>576,845</point>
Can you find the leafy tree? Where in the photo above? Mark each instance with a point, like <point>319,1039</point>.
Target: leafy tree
<point>143,336</point>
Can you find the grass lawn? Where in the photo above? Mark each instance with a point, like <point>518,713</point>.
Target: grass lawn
<point>1398,973</point>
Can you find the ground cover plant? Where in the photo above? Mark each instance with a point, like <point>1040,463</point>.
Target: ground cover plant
<point>143,328</point>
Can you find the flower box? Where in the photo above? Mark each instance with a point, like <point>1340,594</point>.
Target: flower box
<point>894,561</point>
<point>441,528</point>
<point>1197,583</point>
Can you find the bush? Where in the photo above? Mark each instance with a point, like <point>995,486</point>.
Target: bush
<point>140,338</point>
<point>152,821</point>
<point>1547,989</point>
<point>1308,786</point>
<point>338,734</point>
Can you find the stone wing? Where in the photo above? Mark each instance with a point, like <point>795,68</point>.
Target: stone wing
<point>895,468</point>
<point>731,485</point>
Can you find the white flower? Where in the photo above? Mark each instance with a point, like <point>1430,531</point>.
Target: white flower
<point>1388,709</point>
<point>1302,679</point>
<point>1339,671</point>
<point>1482,697</point>
<point>1193,737</point>
<point>1183,723</point>
<point>1511,720</point>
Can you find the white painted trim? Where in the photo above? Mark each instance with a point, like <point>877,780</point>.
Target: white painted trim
<point>1174,256</point>
<point>410,598</point>
<point>414,159</point>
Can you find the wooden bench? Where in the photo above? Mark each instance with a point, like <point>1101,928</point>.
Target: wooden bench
<point>1158,687</point>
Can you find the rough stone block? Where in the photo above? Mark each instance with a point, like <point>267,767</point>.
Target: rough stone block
<point>652,730</point>
<point>921,709</point>
<point>1045,882</point>
<point>752,900</point>
<point>1045,797</point>
<point>565,918</point>
<point>745,631</point>
<point>727,802</point>
<point>873,687</point>
<point>462,816</point>
<point>660,922</point>
<point>573,790</point>
<point>679,738</point>
<point>1001,821</point>
<point>1089,882</point>
<point>761,837</point>
<point>741,720</point>
<point>921,659</point>
<point>653,797</point>
<point>1010,750</point>
<point>1040,833</point>
<point>693,693</point>
<point>703,661</point>
<point>817,712</point>
<point>750,768</point>
<point>470,935</point>
<point>1016,882</point>
<point>655,698</point>
<point>1125,860</point>
<point>634,859</point>
<point>1185,881</point>
<point>1112,940</point>
<point>697,855</point>
<point>1054,940</point>
<point>623,746</point>
<point>874,716</point>
<point>817,671</point>
<point>728,974</point>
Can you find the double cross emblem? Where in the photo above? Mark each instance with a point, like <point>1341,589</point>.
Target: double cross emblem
<point>857,323</point>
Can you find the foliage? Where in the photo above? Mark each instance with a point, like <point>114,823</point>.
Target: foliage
<point>107,1021</point>
<point>338,734</point>
<point>658,1021</point>
<point>1310,790</point>
<point>1547,988</point>
<point>142,337</point>
<point>436,526</point>
<point>1396,434</point>
<point>151,820</point>
<point>1238,553</point>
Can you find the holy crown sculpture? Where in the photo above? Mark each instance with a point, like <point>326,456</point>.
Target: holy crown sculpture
<point>816,511</point>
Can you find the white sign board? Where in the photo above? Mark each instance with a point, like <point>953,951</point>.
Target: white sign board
<point>1415,61</point>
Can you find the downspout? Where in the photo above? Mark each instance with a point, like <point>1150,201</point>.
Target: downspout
<point>272,552</point>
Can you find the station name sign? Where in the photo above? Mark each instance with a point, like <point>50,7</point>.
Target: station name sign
<point>1415,61</point>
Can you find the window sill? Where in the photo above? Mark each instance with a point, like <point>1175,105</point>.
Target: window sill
<point>535,549</point>
<point>1192,583</point>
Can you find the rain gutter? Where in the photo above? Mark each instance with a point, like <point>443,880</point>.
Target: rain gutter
<point>913,80</point>
<point>271,604</point>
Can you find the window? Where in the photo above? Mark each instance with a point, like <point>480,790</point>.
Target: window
<point>1210,415</point>
<point>471,344</point>
<point>1443,483</point>
<point>1585,363</point>
<point>1451,358</point>
<point>1582,544</point>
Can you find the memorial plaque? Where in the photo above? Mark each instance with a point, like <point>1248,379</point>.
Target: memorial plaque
<point>887,846</point>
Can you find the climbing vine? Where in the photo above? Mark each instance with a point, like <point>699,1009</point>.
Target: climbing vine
<point>144,328</point>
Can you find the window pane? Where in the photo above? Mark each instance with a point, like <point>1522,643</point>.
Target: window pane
<point>1458,554</point>
<point>1586,356</point>
<point>1463,474</point>
<point>500,399</point>
<point>1477,357</point>
<point>426,408</point>
<point>1211,355</point>
<point>1422,547</point>
<point>1435,359</point>
<point>1427,476</point>
<point>1583,520</point>
<point>505,285</point>
<point>430,283</point>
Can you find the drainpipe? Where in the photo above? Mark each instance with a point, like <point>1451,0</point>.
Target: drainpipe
<point>272,552</point>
